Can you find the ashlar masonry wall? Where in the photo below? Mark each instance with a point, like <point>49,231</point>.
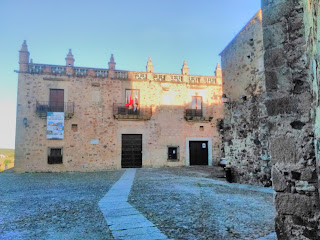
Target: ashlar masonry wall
<point>291,43</point>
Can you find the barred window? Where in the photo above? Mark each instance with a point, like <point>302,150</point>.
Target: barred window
<point>173,153</point>
<point>55,156</point>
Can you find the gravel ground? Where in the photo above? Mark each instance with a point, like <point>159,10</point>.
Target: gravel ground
<point>184,203</point>
<point>54,205</point>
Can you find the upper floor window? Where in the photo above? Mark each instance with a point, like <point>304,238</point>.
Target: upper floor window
<point>196,103</point>
<point>132,100</point>
<point>56,100</point>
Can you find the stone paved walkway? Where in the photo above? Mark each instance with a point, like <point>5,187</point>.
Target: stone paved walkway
<point>124,221</point>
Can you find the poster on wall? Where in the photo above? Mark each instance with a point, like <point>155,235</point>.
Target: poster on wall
<point>55,125</point>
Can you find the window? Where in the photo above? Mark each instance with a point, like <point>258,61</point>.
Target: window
<point>196,103</point>
<point>55,156</point>
<point>56,100</point>
<point>173,153</point>
<point>132,100</point>
<point>74,127</point>
<point>196,107</point>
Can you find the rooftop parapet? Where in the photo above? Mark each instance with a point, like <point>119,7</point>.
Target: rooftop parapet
<point>36,68</point>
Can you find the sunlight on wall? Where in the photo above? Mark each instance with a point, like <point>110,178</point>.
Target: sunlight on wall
<point>7,124</point>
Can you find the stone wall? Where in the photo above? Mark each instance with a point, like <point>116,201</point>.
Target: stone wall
<point>93,113</point>
<point>245,125</point>
<point>291,65</point>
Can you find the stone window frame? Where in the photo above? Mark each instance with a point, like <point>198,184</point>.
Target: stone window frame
<point>178,153</point>
<point>49,154</point>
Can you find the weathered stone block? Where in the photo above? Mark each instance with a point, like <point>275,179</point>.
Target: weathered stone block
<point>271,81</point>
<point>305,186</point>
<point>281,106</point>
<point>274,35</point>
<point>278,180</point>
<point>275,58</point>
<point>308,173</point>
<point>295,228</point>
<point>283,150</point>
<point>296,204</point>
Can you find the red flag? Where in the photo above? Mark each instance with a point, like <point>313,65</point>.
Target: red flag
<point>131,100</point>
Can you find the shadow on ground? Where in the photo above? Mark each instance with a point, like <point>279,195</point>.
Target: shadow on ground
<point>184,203</point>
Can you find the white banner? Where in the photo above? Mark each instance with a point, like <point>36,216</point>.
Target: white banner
<point>55,125</point>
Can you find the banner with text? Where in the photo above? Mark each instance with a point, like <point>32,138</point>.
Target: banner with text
<point>55,125</point>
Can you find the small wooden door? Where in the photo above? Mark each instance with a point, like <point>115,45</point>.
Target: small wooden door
<point>56,101</point>
<point>198,152</point>
<point>131,156</point>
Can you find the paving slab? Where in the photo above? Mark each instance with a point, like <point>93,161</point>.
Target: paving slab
<point>124,221</point>
<point>130,225</point>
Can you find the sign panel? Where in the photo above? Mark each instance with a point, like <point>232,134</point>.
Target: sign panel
<point>55,125</point>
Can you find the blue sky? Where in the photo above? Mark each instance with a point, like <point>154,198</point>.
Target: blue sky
<point>169,31</point>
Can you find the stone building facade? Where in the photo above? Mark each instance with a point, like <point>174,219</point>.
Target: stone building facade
<point>245,128</point>
<point>114,118</point>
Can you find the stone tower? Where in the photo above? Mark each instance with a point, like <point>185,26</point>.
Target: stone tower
<point>112,64</point>
<point>69,59</point>
<point>149,66</point>
<point>24,57</point>
<point>185,69</point>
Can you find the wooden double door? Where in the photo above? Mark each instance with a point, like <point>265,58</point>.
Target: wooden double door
<point>131,154</point>
<point>198,152</point>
